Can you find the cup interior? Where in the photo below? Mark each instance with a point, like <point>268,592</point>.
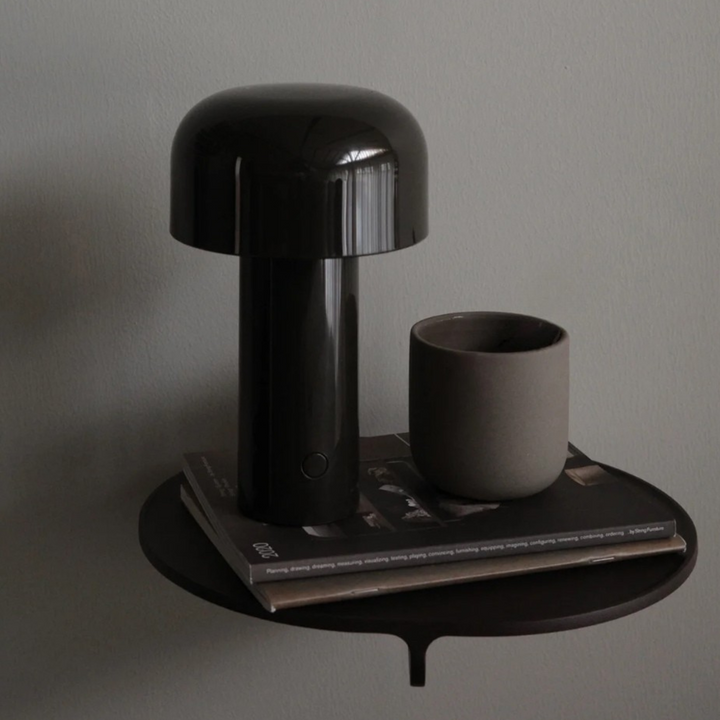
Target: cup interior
<point>489,332</point>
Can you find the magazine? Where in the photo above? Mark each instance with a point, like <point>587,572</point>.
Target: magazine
<point>403,521</point>
<point>284,594</point>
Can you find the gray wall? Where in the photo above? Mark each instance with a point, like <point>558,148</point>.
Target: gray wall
<point>575,174</point>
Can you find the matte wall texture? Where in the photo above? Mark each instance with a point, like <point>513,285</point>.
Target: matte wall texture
<point>575,175</point>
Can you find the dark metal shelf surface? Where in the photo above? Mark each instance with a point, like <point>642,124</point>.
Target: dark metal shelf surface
<point>523,605</point>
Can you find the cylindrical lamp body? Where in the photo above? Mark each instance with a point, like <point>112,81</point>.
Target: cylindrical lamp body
<point>298,426</point>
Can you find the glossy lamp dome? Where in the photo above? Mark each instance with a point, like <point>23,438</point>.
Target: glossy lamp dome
<point>299,171</point>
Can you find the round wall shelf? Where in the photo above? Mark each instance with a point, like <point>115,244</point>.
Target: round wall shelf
<point>522,605</point>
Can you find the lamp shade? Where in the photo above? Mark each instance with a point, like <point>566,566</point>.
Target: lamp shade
<point>301,171</point>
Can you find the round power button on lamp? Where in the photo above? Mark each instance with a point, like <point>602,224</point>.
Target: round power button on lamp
<point>314,465</point>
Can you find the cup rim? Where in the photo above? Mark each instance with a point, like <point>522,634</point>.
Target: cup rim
<point>418,327</point>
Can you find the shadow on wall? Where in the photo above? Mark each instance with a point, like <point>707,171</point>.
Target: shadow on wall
<point>84,610</point>
<point>93,416</point>
<point>78,293</point>
<point>58,230</point>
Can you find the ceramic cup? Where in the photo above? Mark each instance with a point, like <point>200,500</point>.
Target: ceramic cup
<point>489,403</point>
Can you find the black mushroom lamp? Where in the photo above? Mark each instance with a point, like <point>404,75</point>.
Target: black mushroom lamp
<point>299,180</point>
